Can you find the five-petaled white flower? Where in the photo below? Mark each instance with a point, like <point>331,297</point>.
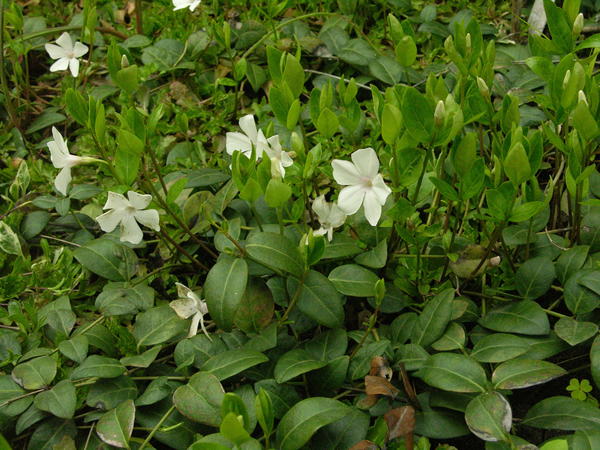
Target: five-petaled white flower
<point>330,216</point>
<point>181,4</point>
<point>189,305</point>
<point>364,185</point>
<point>66,53</point>
<point>127,212</point>
<point>62,159</point>
<point>279,158</point>
<point>244,142</point>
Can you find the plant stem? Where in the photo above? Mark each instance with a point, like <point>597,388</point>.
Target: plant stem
<point>183,251</point>
<point>139,28</point>
<point>157,426</point>
<point>10,108</point>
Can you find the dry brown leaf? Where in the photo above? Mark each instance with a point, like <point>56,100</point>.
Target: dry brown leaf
<point>365,445</point>
<point>367,402</point>
<point>408,387</point>
<point>375,385</point>
<point>380,367</point>
<point>401,423</point>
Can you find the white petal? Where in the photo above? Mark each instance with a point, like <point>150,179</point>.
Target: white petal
<point>321,231</point>
<point>345,173</point>
<point>55,51</point>
<point>182,290</point>
<point>116,201</point>
<point>184,307</point>
<point>337,217</point>
<point>62,180</point>
<point>109,220</point>
<point>320,206</point>
<point>74,66</point>
<point>194,325</point>
<point>261,144</point>
<point>194,5</point>
<point>380,189</point>
<point>148,218</point>
<point>286,161</point>
<point>372,208</point>
<point>65,42</point>
<point>235,141</point>
<point>351,198</point>
<point>248,126</point>
<point>130,230</point>
<point>139,201</point>
<point>79,49</point>
<point>365,160</point>
<point>61,64</point>
<point>59,153</point>
<point>180,4</point>
<point>330,234</point>
<point>204,330</point>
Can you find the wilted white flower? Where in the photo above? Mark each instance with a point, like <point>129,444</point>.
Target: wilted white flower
<point>189,305</point>
<point>66,54</point>
<point>181,4</point>
<point>62,159</point>
<point>330,216</point>
<point>279,158</point>
<point>244,142</point>
<point>127,212</point>
<point>364,185</point>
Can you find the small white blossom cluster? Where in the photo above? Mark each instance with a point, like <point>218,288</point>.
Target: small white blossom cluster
<point>182,4</point>
<point>66,54</point>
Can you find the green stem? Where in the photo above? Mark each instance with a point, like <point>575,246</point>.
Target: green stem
<point>157,426</point>
<point>55,30</point>
<point>10,108</point>
<point>292,302</point>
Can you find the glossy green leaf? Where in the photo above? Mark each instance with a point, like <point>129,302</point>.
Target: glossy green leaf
<point>524,317</point>
<point>98,366</point>
<point>200,399</point>
<point>499,347</point>
<point>276,252</point>
<point>294,363</point>
<point>354,280</point>
<point>115,426</point>
<point>434,319</point>
<point>570,262</point>
<point>595,361</point>
<point>522,373</point>
<point>534,277</point>
<point>319,299</point>
<point>35,373</point>
<point>108,259</point>
<point>573,331</point>
<point>59,401</point>
<point>224,289</point>
<point>489,416</point>
<point>453,372</point>
<point>232,362</point>
<point>563,413</point>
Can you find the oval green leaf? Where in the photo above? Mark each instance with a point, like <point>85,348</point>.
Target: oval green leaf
<point>522,373</point>
<point>453,372</point>
<point>224,289</point>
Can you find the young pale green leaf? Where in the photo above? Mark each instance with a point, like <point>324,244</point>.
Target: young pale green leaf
<point>233,403</point>
<point>224,289</point>
<point>434,319</point>
<point>406,51</point>
<point>524,317</point>
<point>59,401</point>
<point>516,164</point>
<point>295,363</point>
<point>9,241</point>
<point>128,156</point>
<point>391,123</point>
<point>489,417</point>
<point>233,429</point>
<point>35,373</point>
<point>327,123</point>
<point>574,332</point>
<point>523,373</point>
<point>563,413</point>
<point>418,115</point>
<point>305,417</point>
<point>354,280</point>
<point>115,426</point>
<point>499,347</point>
<point>229,363</point>
<point>277,193</point>
<point>453,372</point>
<point>200,400</point>
<point>319,299</point>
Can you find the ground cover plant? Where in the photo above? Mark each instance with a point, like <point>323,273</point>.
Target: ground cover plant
<point>325,225</point>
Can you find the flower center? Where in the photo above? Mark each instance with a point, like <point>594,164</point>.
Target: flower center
<point>367,182</point>
<point>130,209</point>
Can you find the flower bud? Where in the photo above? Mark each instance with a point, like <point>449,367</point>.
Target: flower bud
<point>582,98</point>
<point>124,61</point>
<point>440,114</point>
<point>566,79</point>
<point>578,25</point>
<point>483,87</point>
<point>297,144</point>
<point>468,42</point>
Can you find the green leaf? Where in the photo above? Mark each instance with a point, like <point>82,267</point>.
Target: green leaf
<point>354,280</point>
<point>227,364</point>
<point>418,115</point>
<point>77,106</point>
<point>53,434</point>
<point>524,317</point>
<point>200,399</point>
<point>233,403</point>
<point>44,120</point>
<point>522,373</point>
<point>127,79</point>
<point>453,372</point>
<point>128,156</point>
<point>489,417</point>
<point>570,262</point>
<point>256,309</point>
<point>357,52</point>
<point>328,345</point>
<point>534,277</point>
<point>98,366</point>
<point>574,332</point>
<point>108,259</point>
<point>277,193</point>
<point>115,426</point>
<point>516,164</point>
<point>327,123</point>
<point>595,361</point>
<point>434,318</point>
<point>559,27</point>
<point>35,373</point>
<point>157,325</point>
<point>59,401</point>
<point>304,418</point>
<point>386,69</point>
<point>578,298</point>
<point>119,299</point>
<point>375,258</point>
<point>34,223</point>
<point>144,360</point>
<point>108,393</point>
<point>276,252</point>
<point>319,299</point>
<point>499,347</point>
<point>9,241</point>
<point>233,429</point>
<point>295,363</point>
<point>563,413</point>
<point>224,289</point>
<point>9,391</point>
<point>264,411</point>
<point>453,338</point>
<point>293,75</point>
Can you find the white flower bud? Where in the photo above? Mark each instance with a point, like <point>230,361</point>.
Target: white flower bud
<point>578,25</point>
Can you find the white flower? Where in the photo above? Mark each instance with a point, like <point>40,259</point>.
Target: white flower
<point>62,159</point>
<point>127,212</point>
<point>364,185</point>
<point>330,216</point>
<point>279,159</point>
<point>235,141</point>
<point>187,305</point>
<point>181,4</point>
<point>66,53</point>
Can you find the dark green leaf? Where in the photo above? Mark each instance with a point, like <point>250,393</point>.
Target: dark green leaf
<point>200,399</point>
<point>224,289</point>
<point>354,280</point>
<point>489,417</point>
<point>232,362</point>
<point>115,426</point>
<point>563,413</point>
<point>453,372</point>
<point>319,299</point>
<point>276,252</point>
<point>524,317</point>
<point>294,363</point>
<point>522,373</point>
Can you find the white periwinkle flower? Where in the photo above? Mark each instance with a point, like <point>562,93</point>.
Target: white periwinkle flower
<point>127,212</point>
<point>189,305</point>
<point>62,159</point>
<point>181,4</point>
<point>364,185</point>
<point>279,158</point>
<point>244,142</point>
<point>66,53</point>
<point>330,216</point>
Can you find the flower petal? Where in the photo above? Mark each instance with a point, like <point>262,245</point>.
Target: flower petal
<point>372,208</point>
<point>248,126</point>
<point>365,160</point>
<point>61,64</point>
<point>79,49</point>
<point>235,141</point>
<point>184,307</point>
<point>148,218</point>
<point>59,153</point>
<point>380,189</point>
<point>62,180</point>
<point>194,325</point>
<point>320,206</point>
<point>194,5</point>
<point>351,198</point>
<point>345,173</point>
<point>109,220</point>
<point>130,230</point>
<point>261,144</point>
<point>116,201</point>
<point>139,201</point>
<point>74,66</point>
<point>65,42</point>
<point>337,217</point>
<point>55,51</point>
